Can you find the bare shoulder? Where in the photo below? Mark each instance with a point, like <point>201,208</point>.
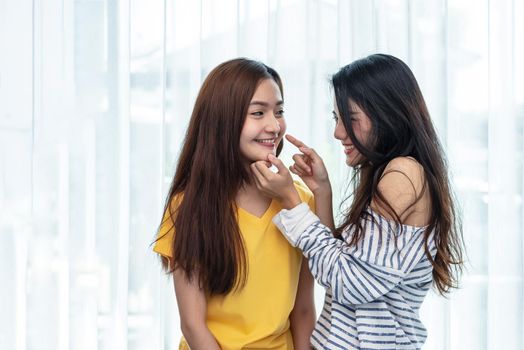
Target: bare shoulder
<point>404,173</point>
<point>406,164</point>
<point>401,185</point>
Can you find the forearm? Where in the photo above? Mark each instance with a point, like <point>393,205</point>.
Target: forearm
<point>199,337</point>
<point>302,324</point>
<point>192,307</point>
<point>302,318</point>
<point>290,198</point>
<point>332,262</point>
<point>324,206</point>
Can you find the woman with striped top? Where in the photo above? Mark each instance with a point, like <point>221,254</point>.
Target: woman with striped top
<point>400,235</point>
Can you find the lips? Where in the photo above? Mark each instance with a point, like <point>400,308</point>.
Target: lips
<point>348,148</point>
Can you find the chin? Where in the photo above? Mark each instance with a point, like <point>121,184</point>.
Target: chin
<point>268,152</point>
<point>352,162</point>
<point>261,156</point>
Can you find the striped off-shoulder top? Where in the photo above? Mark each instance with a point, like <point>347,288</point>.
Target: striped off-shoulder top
<point>373,289</point>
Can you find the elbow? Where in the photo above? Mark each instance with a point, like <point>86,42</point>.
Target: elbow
<point>304,312</point>
<point>357,296</point>
<point>354,285</point>
<point>304,316</point>
<point>187,330</point>
<point>191,328</point>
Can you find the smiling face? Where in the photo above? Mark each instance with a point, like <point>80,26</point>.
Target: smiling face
<point>361,125</point>
<point>264,126</point>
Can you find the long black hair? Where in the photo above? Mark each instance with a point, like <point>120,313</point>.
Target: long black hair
<point>387,92</point>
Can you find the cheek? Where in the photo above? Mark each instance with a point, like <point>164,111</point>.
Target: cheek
<point>365,128</point>
<point>283,126</point>
<point>361,133</point>
<point>248,130</point>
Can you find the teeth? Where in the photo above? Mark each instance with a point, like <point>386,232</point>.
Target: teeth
<point>266,141</point>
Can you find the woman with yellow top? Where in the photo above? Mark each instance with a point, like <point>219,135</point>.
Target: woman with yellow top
<point>239,284</point>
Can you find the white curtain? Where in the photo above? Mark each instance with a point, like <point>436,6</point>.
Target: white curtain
<point>95,96</point>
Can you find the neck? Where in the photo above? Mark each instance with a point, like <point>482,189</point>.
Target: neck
<point>250,191</point>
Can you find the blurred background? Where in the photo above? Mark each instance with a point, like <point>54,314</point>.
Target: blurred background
<point>95,96</point>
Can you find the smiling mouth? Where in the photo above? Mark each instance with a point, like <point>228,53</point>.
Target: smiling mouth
<point>266,142</point>
<point>348,148</point>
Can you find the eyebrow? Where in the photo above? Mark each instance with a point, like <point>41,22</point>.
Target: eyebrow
<point>265,104</point>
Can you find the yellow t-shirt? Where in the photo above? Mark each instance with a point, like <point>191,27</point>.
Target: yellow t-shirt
<point>257,316</point>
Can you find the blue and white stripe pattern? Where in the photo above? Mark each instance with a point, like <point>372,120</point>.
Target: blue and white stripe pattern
<point>373,290</point>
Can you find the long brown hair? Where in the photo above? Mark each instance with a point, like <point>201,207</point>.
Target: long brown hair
<point>207,243</point>
<point>386,90</point>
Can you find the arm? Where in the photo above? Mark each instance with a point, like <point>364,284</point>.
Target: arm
<point>324,207</point>
<point>303,316</point>
<point>310,167</point>
<point>356,276</point>
<point>402,186</point>
<point>192,306</point>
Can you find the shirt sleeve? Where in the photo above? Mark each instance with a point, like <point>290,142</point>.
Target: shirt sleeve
<point>164,239</point>
<point>355,274</point>
<point>163,244</point>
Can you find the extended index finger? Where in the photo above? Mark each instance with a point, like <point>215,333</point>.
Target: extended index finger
<point>295,141</point>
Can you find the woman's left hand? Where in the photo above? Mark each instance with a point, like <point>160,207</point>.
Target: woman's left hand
<point>277,185</point>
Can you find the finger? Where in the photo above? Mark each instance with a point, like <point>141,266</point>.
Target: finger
<point>295,141</point>
<point>258,184</point>
<point>255,172</point>
<point>262,170</point>
<point>311,153</point>
<point>295,171</point>
<point>300,163</point>
<point>259,178</point>
<point>278,163</point>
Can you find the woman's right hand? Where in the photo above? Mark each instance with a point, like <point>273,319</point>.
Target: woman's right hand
<point>309,167</point>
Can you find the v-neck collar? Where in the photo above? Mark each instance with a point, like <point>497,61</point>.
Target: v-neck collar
<point>264,215</point>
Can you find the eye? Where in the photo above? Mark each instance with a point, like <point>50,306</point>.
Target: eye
<point>280,113</point>
<point>258,114</point>
<point>335,118</point>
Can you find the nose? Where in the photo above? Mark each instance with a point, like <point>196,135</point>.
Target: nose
<point>273,125</point>
<point>340,131</point>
